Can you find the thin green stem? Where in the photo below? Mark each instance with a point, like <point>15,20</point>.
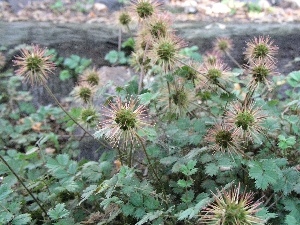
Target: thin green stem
<point>119,39</point>
<point>151,166</point>
<point>22,183</point>
<point>233,60</point>
<point>68,114</point>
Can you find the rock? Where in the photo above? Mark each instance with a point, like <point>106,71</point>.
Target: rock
<point>100,7</point>
<point>220,8</point>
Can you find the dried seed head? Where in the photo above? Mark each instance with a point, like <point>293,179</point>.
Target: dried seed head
<point>123,120</point>
<point>159,26</point>
<point>260,48</point>
<point>165,52</point>
<point>212,57</point>
<point>223,138</point>
<point>84,92</point>
<point>89,116</point>
<point>144,8</point>
<point>214,73</point>
<point>124,18</point>
<point>223,45</point>
<point>261,70</point>
<point>247,119</point>
<point>231,208</point>
<point>34,65</point>
<point>90,76</point>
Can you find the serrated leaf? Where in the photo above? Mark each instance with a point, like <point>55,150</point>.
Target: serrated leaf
<point>265,172</point>
<point>136,199</point>
<point>184,183</point>
<point>87,193</point>
<point>21,219</point>
<point>5,191</point>
<point>265,215</point>
<point>128,209</point>
<point>149,217</point>
<point>193,211</point>
<point>288,182</point>
<point>168,160</point>
<point>146,98</point>
<point>139,213</point>
<point>211,169</point>
<point>291,220</point>
<point>58,212</point>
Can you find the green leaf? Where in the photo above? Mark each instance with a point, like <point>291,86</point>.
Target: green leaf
<point>64,75</point>
<point>128,209</point>
<point>184,183</point>
<point>194,211</point>
<point>92,171</point>
<point>293,79</point>
<point>5,217</point>
<point>146,98</point>
<point>291,177</point>
<point>87,193</point>
<point>291,220</point>
<point>21,219</point>
<point>149,217</point>
<point>285,143</point>
<point>188,196</point>
<point>136,199</point>
<point>211,169</point>
<point>58,212</point>
<point>265,215</point>
<point>265,172</point>
<point>5,191</point>
<point>112,56</point>
<point>128,43</point>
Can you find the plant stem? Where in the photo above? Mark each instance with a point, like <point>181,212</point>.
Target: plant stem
<point>119,39</point>
<point>218,84</point>
<point>22,183</point>
<point>68,114</point>
<point>233,60</point>
<point>151,166</point>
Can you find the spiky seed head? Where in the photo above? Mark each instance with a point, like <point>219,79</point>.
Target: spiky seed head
<point>159,25</point>
<point>223,138</point>
<point>90,76</point>
<point>232,208</point>
<point>124,18</point>
<point>179,97</point>
<point>123,119</point>
<point>247,119</point>
<point>223,44</point>
<point>260,48</point>
<point>89,116</point>
<point>34,64</point>
<point>84,92</point>
<point>261,70</point>
<point>126,119</point>
<point>144,8</point>
<point>165,52</point>
<point>214,73</point>
<point>212,57</point>
<point>244,119</point>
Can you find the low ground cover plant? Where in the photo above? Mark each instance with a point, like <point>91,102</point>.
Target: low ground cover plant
<point>188,140</point>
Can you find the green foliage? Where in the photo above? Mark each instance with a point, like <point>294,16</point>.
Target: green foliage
<point>192,53</point>
<point>116,57</point>
<point>58,212</point>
